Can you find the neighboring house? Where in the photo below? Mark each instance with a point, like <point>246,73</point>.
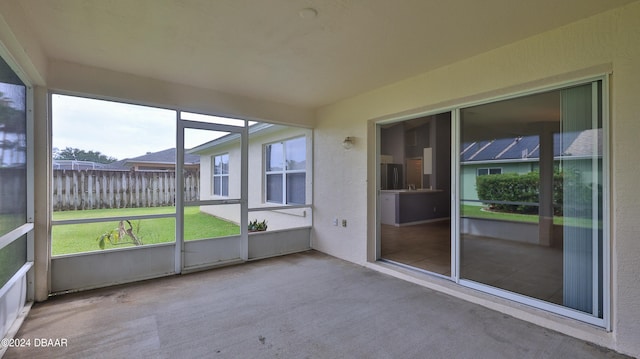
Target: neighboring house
<point>78,165</point>
<point>164,160</point>
<point>270,183</point>
<point>521,155</point>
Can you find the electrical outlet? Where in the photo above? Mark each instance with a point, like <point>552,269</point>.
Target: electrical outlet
<point>335,222</point>
<point>344,222</point>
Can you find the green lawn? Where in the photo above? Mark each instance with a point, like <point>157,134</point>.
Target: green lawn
<point>481,212</point>
<point>76,238</point>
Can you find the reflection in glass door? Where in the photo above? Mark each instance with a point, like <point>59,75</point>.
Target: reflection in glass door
<point>415,193</point>
<point>531,189</point>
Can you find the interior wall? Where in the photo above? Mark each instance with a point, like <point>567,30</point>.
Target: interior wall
<point>609,42</point>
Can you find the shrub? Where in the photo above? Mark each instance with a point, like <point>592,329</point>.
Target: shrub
<point>509,187</point>
<point>513,187</point>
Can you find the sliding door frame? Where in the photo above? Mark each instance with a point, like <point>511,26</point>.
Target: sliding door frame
<point>453,194</point>
<point>605,321</point>
<point>605,279</point>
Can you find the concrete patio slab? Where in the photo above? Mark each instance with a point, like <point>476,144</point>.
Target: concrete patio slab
<point>306,305</point>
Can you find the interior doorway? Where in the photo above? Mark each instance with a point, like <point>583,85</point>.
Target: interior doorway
<point>415,215</point>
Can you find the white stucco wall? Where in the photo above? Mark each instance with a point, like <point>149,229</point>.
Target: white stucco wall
<point>603,43</point>
<point>280,219</point>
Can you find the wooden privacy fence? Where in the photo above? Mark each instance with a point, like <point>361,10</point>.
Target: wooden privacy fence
<point>94,189</point>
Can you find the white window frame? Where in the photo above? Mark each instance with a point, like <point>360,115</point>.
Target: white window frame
<point>488,169</point>
<point>284,172</point>
<point>215,175</point>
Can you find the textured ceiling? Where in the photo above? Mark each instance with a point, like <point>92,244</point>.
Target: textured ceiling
<point>264,49</point>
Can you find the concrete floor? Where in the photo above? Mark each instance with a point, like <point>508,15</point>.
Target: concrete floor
<point>307,305</point>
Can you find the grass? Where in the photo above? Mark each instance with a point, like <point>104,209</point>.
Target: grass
<point>12,258</point>
<point>481,212</point>
<point>105,213</point>
<point>78,238</point>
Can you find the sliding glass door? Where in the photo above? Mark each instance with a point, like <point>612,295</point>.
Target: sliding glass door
<point>526,177</point>
<point>414,194</point>
<point>532,199</point>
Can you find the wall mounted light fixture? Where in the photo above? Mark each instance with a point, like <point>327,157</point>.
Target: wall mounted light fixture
<point>348,143</point>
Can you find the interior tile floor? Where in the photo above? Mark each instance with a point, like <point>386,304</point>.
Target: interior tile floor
<point>531,270</point>
<point>424,246</point>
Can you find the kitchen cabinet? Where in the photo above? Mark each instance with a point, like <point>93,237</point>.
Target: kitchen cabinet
<point>405,207</point>
<point>387,207</point>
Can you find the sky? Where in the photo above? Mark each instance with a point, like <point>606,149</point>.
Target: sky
<point>120,130</point>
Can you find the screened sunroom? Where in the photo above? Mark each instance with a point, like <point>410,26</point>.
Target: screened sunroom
<point>482,150</point>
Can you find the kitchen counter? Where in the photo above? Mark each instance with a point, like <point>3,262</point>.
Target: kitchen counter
<point>405,207</point>
<point>411,191</point>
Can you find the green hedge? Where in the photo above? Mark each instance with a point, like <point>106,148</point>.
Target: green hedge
<point>513,187</point>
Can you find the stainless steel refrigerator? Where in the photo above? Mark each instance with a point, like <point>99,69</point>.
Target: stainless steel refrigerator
<point>391,176</point>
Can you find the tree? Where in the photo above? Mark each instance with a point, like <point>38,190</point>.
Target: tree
<point>82,155</point>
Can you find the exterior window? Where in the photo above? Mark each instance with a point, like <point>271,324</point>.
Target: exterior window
<point>285,164</point>
<point>221,175</point>
<point>489,171</point>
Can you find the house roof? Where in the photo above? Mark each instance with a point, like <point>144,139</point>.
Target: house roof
<point>527,148</point>
<point>79,165</point>
<point>167,156</point>
<point>257,128</point>
<point>164,157</point>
